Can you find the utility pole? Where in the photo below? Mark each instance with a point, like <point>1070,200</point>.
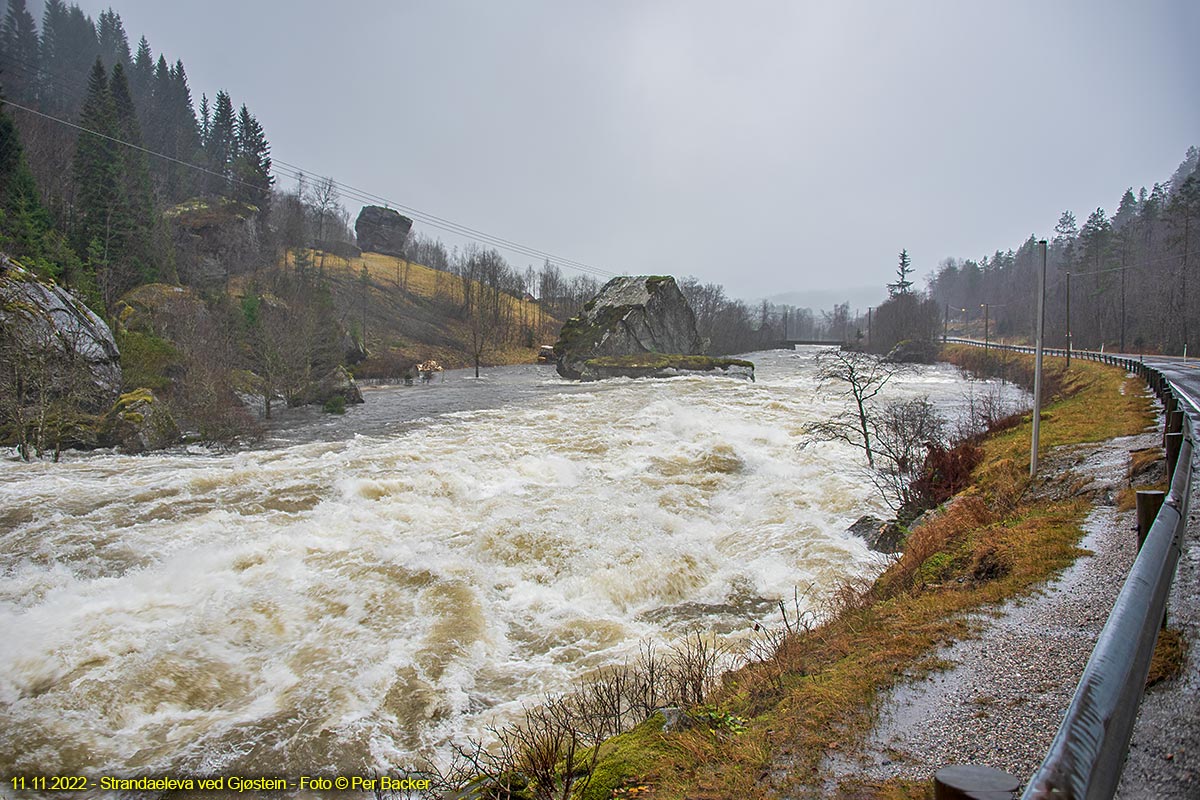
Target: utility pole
<point>1037,371</point>
<point>985,308</point>
<point>1068,315</point>
<point>868,329</point>
<point>946,324</point>
<point>1122,307</point>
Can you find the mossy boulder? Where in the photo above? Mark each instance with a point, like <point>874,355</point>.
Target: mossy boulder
<point>139,421</point>
<point>631,316</point>
<point>338,385</point>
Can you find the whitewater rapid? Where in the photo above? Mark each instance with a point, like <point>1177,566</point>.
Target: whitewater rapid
<point>362,603</point>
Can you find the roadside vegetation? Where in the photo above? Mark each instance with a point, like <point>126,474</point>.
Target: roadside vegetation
<point>807,687</point>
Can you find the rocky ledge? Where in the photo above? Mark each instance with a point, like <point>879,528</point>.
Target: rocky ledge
<point>659,365</point>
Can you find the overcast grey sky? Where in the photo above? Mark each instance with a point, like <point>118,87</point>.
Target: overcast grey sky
<point>769,146</point>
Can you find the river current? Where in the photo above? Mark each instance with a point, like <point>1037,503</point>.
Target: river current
<point>362,591</point>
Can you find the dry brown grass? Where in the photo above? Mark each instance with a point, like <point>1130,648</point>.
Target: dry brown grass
<point>1170,651</point>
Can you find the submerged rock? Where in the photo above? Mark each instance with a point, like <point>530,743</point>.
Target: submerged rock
<point>631,316</point>
<point>382,230</point>
<point>880,536</point>
<point>49,332</point>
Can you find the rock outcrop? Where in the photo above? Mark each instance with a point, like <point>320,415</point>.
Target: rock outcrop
<point>631,316</point>
<point>382,230</point>
<point>49,332</point>
<point>214,238</point>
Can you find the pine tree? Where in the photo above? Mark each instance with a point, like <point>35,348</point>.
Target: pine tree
<point>19,43</point>
<point>902,285</point>
<point>252,166</point>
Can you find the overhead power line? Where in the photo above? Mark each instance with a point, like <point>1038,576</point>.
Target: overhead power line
<point>289,170</point>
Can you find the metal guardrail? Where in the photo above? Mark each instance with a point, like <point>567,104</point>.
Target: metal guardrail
<point>1088,753</point>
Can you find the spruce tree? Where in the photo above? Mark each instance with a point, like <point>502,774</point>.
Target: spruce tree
<point>111,38</point>
<point>141,79</point>
<point>97,182</point>
<point>205,120</point>
<point>19,42</point>
<point>252,166</point>
<point>185,134</point>
<point>220,144</point>
<point>23,221</point>
<point>136,217</point>
<point>902,285</point>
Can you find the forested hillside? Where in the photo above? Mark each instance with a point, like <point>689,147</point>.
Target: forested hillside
<point>1131,275</point>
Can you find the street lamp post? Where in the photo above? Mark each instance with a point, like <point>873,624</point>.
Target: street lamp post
<point>1068,319</point>
<point>1037,370</point>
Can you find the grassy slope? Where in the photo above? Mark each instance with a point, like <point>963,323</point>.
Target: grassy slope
<point>403,315</point>
<point>817,693</point>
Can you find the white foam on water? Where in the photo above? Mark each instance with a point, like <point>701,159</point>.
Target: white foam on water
<point>360,604</point>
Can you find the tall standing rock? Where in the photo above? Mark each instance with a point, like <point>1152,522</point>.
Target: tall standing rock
<point>382,230</point>
<point>630,315</point>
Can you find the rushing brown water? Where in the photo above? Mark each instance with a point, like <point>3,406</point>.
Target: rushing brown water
<point>369,589</point>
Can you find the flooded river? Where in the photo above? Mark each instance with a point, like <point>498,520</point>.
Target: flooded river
<point>361,591</point>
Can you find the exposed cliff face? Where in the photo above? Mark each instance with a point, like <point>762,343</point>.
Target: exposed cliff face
<point>52,335</point>
<point>214,238</point>
<point>631,315</point>
<point>382,230</point>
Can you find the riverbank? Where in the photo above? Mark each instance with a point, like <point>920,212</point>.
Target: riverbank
<point>817,692</point>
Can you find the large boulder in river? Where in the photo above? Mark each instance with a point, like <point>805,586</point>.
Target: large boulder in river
<point>139,421</point>
<point>631,316</point>
<point>382,230</point>
<point>55,341</point>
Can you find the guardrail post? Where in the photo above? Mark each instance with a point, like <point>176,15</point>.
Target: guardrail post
<point>1148,505</point>
<point>1175,421</point>
<point>972,782</point>
<point>1174,442</point>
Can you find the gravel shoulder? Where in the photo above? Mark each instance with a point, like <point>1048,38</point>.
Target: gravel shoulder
<point>1001,701</point>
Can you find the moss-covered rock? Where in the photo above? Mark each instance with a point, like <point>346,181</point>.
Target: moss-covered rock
<point>139,421</point>
<point>662,365</point>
